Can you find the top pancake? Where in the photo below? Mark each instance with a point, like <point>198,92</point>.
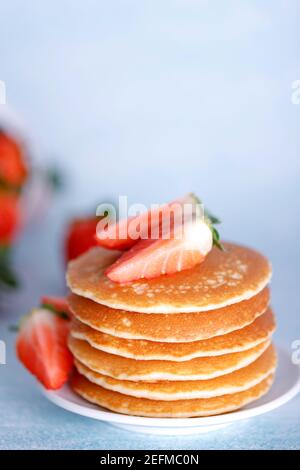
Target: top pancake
<point>224,278</point>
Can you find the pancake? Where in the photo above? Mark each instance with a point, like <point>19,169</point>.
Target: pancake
<point>167,409</point>
<point>237,381</point>
<point>200,368</point>
<point>224,278</point>
<point>240,340</point>
<point>181,327</point>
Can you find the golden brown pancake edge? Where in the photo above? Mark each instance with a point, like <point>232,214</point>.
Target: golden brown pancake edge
<point>126,404</point>
<point>236,381</point>
<point>200,368</point>
<point>182,327</point>
<point>239,340</point>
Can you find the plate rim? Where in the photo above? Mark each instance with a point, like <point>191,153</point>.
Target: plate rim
<point>130,420</point>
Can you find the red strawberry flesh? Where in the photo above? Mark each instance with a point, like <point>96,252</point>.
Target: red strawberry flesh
<point>80,237</point>
<point>124,234</point>
<point>42,347</point>
<point>153,258</point>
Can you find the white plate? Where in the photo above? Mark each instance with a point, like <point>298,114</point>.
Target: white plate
<point>285,387</point>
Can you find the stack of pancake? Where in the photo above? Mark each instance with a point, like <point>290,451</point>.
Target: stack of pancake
<point>195,343</point>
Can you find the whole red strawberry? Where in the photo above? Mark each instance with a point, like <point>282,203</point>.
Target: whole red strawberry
<point>80,237</point>
<point>42,347</point>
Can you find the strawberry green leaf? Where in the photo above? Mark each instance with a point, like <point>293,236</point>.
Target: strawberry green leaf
<point>14,328</point>
<point>216,239</point>
<point>214,220</point>
<point>7,275</point>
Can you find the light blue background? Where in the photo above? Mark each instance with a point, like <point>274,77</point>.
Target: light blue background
<point>153,99</point>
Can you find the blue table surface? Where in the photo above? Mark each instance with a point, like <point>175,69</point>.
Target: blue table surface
<point>29,421</point>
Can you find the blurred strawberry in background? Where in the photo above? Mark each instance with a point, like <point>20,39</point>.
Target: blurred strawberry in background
<point>9,216</point>
<point>80,233</point>
<point>13,170</point>
<point>80,236</point>
<point>13,175</point>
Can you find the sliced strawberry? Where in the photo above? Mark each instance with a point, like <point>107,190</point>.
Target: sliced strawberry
<point>119,236</point>
<point>56,304</point>
<point>9,216</point>
<point>13,170</point>
<point>80,236</point>
<point>152,258</point>
<point>42,347</point>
